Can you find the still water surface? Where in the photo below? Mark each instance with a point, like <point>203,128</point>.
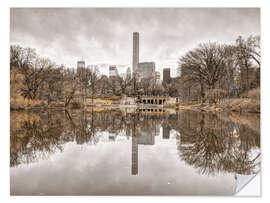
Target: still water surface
<point>131,152</point>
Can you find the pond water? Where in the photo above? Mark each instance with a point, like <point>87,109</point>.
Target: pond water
<point>131,152</point>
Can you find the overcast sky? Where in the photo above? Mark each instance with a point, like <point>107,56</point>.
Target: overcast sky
<point>104,35</point>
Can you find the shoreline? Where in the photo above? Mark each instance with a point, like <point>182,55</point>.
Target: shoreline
<point>202,108</point>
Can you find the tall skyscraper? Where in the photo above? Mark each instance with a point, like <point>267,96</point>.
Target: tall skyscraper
<point>166,75</point>
<point>139,137</point>
<point>135,59</point>
<point>81,68</point>
<point>134,155</point>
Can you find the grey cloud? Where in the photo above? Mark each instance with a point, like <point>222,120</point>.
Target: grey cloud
<point>104,35</point>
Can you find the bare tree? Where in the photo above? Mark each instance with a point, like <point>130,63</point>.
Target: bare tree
<point>103,85</point>
<point>249,49</point>
<point>248,53</point>
<point>22,58</point>
<point>70,83</point>
<point>92,80</point>
<point>54,84</point>
<point>124,83</point>
<point>204,65</point>
<point>34,77</point>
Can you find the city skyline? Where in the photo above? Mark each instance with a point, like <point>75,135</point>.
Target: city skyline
<point>104,36</point>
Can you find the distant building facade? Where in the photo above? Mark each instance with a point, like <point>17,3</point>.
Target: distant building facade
<point>146,68</point>
<point>80,64</point>
<point>128,74</point>
<point>137,76</point>
<point>123,76</point>
<point>166,75</point>
<point>157,77</point>
<point>113,71</point>
<point>81,68</point>
<point>135,59</point>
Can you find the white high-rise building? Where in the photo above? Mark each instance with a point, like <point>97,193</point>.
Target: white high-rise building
<point>113,71</point>
<point>128,74</point>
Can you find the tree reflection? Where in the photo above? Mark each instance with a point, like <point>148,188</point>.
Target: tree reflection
<point>211,143</point>
<point>33,137</point>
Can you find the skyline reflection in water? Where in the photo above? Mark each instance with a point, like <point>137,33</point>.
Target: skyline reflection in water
<point>131,152</point>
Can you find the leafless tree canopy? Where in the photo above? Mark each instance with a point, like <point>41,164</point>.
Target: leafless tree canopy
<point>220,71</point>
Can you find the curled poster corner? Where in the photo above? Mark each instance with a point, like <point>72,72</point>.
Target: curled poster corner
<point>248,185</point>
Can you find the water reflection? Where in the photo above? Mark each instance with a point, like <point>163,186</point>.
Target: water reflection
<point>214,145</point>
<point>211,144</point>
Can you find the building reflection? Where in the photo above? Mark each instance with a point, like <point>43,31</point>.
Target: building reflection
<point>144,133</point>
<point>139,137</point>
<point>134,156</point>
<point>165,132</point>
<point>204,141</point>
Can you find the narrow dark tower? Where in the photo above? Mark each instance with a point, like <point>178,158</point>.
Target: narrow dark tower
<point>135,59</point>
<point>134,156</point>
<point>166,75</point>
<point>134,152</point>
<point>165,132</point>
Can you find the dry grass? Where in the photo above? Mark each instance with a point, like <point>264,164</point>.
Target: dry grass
<point>57,104</point>
<point>254,94</point>
<point>99,101</point>
<point>98,109</point>
<point>20,102</point>
<point>187,103</point>
<point>245,105</point>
